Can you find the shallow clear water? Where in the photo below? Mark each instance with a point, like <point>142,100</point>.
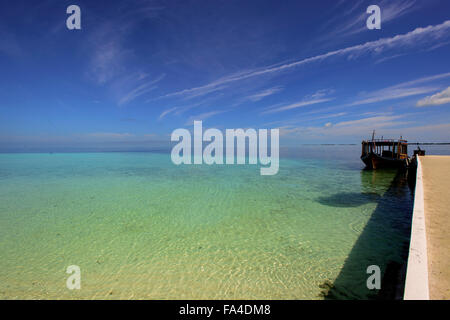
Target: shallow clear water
<point>140,227</point>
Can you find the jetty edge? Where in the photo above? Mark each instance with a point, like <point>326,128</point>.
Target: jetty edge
<point>416,285</point>
<point>428,270</point>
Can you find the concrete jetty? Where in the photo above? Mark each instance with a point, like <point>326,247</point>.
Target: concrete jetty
<point>428,273</point>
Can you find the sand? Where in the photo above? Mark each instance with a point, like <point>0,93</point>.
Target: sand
<point>436,184</point>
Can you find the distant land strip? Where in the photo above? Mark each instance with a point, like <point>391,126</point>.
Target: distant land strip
<point>429,143</point>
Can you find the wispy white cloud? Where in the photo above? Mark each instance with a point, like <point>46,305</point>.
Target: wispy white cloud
<point>299,104</point>
<point>424,79</point>
<point>166,112</point>
<point>107,59</point>
<point>319,96</point>
<point>389,58</point>
<point>390,10</point>
<point>265,93</point>
<point>105,45</point>
<point>398,91</point>
<point>350,128</point>
<point>181,109</point>
<point>328,116</point>
<point>321,93</point>
<point>298,120</point>
<point>140,90</point>
<point>419,36</point>
<point>358,129</point>
<point>402,90</point>
<point>378,121</point>
<point>203,116</point>
<point>439,98</point>
<point>391,94</point>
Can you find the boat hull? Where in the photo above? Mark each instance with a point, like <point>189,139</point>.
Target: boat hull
<point>374,161</point>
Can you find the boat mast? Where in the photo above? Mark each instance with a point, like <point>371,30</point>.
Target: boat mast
<point>373,142</point>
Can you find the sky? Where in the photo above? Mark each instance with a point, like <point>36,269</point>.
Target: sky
<point>137,70</point>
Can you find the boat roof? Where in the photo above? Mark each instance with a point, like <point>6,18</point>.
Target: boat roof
<point>386,142</point>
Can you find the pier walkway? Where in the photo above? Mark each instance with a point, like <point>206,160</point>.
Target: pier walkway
<point>429,256</point>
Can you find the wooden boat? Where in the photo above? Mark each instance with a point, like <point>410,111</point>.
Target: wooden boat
<point>385,153</point>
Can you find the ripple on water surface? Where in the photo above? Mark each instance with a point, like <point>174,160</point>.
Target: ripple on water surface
<point>140,227</point>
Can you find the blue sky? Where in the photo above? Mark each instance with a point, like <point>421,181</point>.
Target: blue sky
<point>139,69</point>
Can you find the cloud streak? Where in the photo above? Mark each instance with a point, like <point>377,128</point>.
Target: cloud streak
<point>398,91</point>
<point>439,98</point>
<point>403,41</point>
<point>390,10</point>
<point>166,112</point>
<point>203,116</point>
<point>140,90</point>
<point>358,127</point>
<point>296,105</point>
<point>391,94</point>
<point>261,95</point>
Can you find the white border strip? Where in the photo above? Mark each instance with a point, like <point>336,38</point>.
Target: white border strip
<point>416,287</point>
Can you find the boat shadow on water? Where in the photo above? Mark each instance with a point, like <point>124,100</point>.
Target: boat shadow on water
<point>349,199</point>
<point>384,240</point>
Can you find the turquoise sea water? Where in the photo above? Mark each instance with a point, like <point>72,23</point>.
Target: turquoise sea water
<point>140,227</point>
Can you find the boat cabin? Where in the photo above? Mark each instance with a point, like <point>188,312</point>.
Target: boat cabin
<point>386,148</point>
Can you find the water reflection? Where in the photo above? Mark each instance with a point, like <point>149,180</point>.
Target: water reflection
<point>384,241</point>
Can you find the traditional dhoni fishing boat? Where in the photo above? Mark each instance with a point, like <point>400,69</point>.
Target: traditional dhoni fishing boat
<point>385,153</point>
